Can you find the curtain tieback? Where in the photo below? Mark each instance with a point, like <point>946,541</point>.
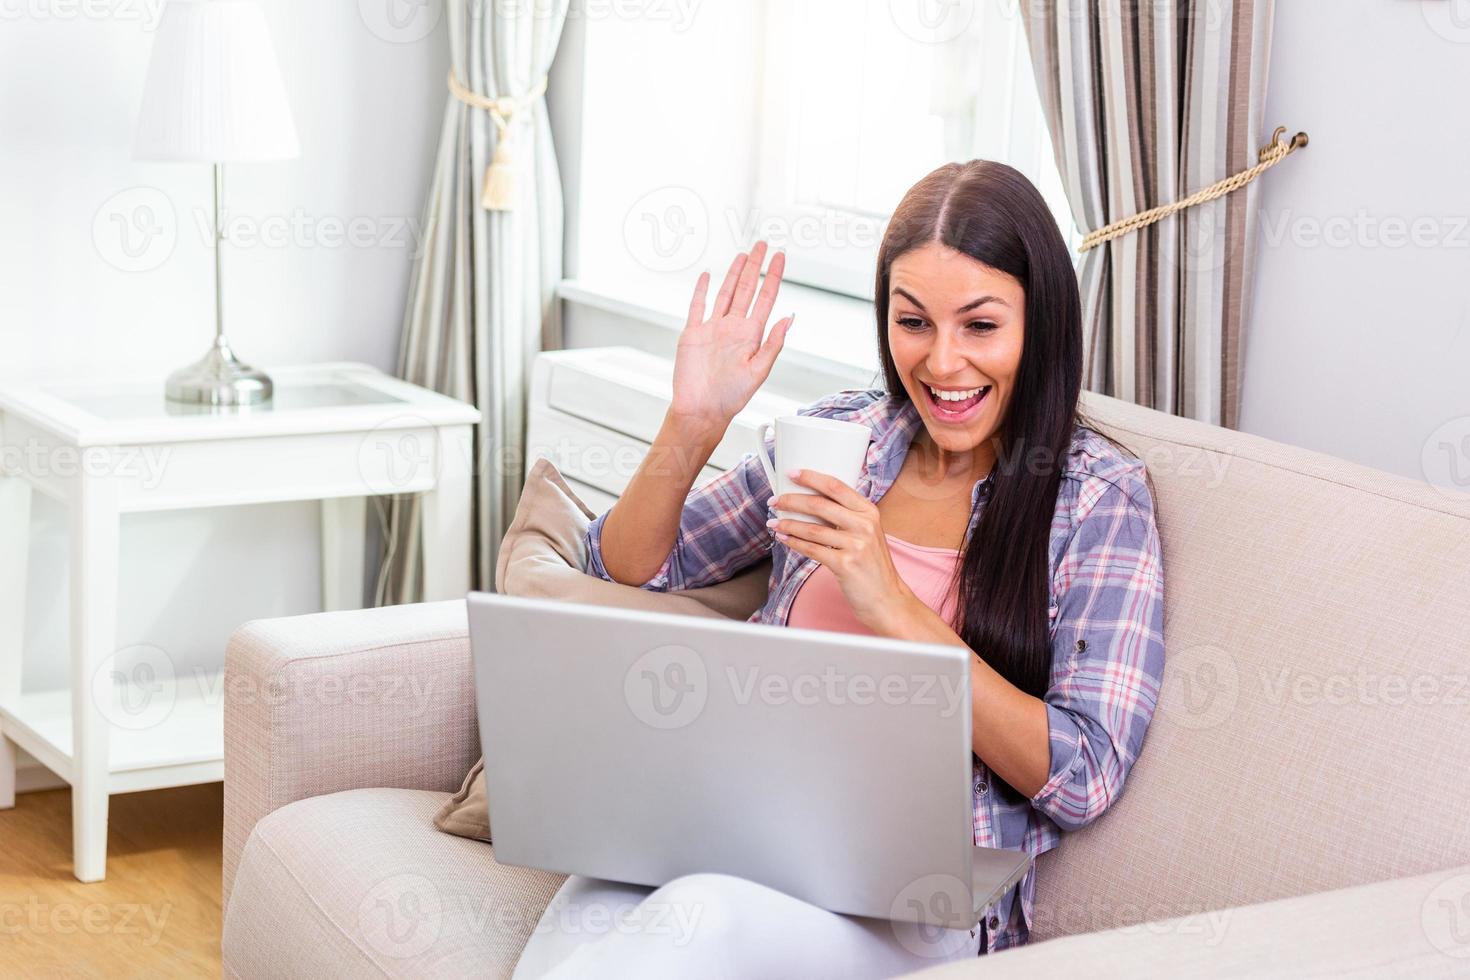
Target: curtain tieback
<point>498,193</point>
<point>1271,154</point>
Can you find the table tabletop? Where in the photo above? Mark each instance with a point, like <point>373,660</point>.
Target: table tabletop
<point>308,398</point>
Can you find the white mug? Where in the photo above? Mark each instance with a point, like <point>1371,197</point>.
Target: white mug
<point>806,442</point>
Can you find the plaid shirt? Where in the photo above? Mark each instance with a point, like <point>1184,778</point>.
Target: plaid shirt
<point>1106,612</point>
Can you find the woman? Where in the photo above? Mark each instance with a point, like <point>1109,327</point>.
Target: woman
<point>1041,533</point>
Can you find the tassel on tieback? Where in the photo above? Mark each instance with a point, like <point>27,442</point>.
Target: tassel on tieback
<point>498,193</point>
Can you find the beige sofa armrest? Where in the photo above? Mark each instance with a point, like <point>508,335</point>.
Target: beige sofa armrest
<point>1406,927</point>
<point>344,700</point>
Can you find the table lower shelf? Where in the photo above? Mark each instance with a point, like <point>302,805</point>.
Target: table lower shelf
<point>183,746</point>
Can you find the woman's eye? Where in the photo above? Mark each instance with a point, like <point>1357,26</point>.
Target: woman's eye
<point>911,323</point>
<point>983,326</point>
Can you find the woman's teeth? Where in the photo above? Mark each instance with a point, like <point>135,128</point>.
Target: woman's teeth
<point>957,404</point>
<point>956,396</point>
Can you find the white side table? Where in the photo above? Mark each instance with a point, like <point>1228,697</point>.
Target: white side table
<point>335,433</point>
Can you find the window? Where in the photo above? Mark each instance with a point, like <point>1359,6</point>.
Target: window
<point>861,98</point>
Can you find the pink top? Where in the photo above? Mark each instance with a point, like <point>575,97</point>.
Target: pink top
<point>820,604</point>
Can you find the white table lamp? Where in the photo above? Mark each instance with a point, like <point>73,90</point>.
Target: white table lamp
<point>214,95</point>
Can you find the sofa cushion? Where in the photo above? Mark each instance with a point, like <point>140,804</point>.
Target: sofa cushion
<point>1313,731</point>
<point>359,883</point>
<point>1408,927</point>
<point>467,812</point>
<point>542,557</point>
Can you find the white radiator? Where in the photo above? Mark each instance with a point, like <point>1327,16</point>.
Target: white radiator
<point>595,411</point>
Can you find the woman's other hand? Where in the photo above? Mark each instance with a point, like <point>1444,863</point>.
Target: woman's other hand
<point>722,359</point>
<point>851,544</point>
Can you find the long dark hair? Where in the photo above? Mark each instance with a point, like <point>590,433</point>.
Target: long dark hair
<point>993,214</point>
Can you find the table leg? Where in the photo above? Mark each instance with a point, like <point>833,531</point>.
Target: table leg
<point>15,531</point>
<point>344,536</point>
<point>94,571</point>
<point>446,519</point>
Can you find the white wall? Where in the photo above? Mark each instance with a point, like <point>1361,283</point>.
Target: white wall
<point>1359,342</point>
<point>367,92</point>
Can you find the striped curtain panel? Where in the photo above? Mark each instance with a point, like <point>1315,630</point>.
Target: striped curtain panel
<point>1149,101</point>
<point>481,302</point>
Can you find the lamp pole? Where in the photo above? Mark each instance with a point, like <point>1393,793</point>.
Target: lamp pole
<point>219,378</point>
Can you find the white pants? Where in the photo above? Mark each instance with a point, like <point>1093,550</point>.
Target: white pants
<point>718,926</point>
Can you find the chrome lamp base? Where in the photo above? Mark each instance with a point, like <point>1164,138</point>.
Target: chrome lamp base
<point>219,379</point>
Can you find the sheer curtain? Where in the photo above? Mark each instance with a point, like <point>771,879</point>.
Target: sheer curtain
<point>482,297</point>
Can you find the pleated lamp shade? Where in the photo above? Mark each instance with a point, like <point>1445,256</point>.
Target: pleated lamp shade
<point>214,91</point>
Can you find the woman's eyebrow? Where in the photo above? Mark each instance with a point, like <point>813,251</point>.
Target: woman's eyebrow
<point>976,303</point>
<point>973,304</point>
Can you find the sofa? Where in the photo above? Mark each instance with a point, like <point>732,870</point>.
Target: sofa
<point>1301,805</point>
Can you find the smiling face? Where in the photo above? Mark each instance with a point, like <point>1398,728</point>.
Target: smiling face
<point>955,330</point>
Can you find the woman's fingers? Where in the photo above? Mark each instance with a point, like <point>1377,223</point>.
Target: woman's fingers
<point>765,357</point>
<point>828,485</point>
<point>815,533</point>
<point>696,304</point>
<point>819,552</point>
<point>749,276</point>
<point>766,300</point>
<point>727,289</point>
<point>815,505</point>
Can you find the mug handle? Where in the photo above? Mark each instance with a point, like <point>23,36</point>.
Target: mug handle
<point>760,452</point>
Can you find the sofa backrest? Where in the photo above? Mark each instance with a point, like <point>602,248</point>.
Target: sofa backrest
<point>1313,731</point>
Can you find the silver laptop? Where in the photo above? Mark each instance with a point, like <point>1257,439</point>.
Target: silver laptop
<point>639,747</point>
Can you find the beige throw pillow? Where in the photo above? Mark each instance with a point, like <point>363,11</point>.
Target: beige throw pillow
<point>542,557</point>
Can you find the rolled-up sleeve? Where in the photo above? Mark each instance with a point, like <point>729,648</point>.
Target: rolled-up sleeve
<point>1107,654</point>
<point>722,531</point>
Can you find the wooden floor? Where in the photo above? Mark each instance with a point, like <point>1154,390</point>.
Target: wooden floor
<point>156,915</point>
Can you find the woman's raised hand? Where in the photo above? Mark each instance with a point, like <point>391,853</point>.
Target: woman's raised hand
<point>723,359</point>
